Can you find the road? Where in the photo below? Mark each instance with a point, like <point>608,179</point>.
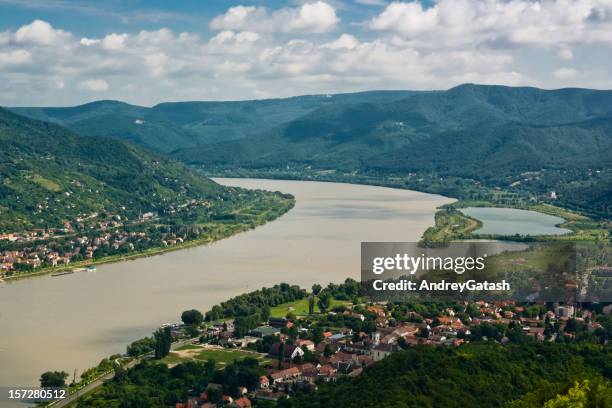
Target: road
<point>95,384</point>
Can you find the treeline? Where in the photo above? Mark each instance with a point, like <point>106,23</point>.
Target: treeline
<point>257,302</point>
<point>477,374</point>
<point>250,309</point>
<point>155,385</point>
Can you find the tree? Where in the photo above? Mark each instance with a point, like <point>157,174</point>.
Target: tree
<point>328,352</point>
<point>192,317</point>
<point>281,355</point>
<point>317,335</point>
<point>324,301</point>
<point>53,379</point>
<point>311,303</point>
<point>316,288</point>
<point>163,341</point>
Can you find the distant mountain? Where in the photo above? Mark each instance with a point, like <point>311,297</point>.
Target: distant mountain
<point>48,175</point>
<point>490,135</point>
<point>464,131</point>
<point>171,126</point>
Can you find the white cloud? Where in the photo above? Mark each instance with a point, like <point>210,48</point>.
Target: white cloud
<point>565,53</point>
<point>344,41</point>
<point>114,41</point>
<point>88,42</point>
<point>254,61</point>
<point>499,22</point>
<point>94,85</point>
<point>371,2</point>
<point>14,57</point>
<point>317,17</point>
<point>39,32</point>
<point>565,73</point>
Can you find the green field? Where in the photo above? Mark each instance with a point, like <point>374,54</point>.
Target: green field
<point>222,357</point>
<point>300,307</point>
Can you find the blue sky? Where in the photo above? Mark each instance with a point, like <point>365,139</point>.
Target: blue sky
<point>60,52</point>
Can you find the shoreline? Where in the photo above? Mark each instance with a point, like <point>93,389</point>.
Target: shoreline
<point>570,217</point>
<point>567,215</point>
<point>155,251</point>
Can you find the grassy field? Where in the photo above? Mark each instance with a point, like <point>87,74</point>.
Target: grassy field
<point>300,307</point>
<point>220,356</point>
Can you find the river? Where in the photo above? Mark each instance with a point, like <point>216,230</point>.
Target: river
<point>72,321</point>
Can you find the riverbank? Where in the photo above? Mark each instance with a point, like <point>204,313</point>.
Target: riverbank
<point>453,224</point>
<point>223,231</point>
<point>450,224</point>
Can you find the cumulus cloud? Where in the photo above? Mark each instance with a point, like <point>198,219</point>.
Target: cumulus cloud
<point>565,73</point>
<point>39,32</point>
<point>499,22</point>
<point>566,54</point>
<point>114,41</point>
<point>317,17</point>
<point>14,57</point>
<point>94,85</point>
<point>255,52</point>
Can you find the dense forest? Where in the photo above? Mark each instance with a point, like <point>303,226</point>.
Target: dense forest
<point>477,374</point>
<point>51,176</point>
<point>486,375</point>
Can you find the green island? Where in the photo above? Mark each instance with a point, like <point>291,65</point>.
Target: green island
<point>352,351</point>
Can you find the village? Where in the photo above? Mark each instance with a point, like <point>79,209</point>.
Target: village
<point>89,237</point>
<point>301,352</point>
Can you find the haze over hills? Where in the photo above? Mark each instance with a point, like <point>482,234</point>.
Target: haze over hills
<point>49,175</point>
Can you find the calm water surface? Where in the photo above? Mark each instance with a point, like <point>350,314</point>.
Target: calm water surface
<point>73,321</point>
<point>511,221</point>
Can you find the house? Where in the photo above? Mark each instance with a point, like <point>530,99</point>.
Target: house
<point>327,372</point>
<point>383,350</point>
<point>337,337</point>
<point>287,375</point>
<point>290,351</point>
<point>264,382</point>
<point>267,395</point>
<point>263,331</point>
<point>309,373</point>
<point>279,322</point>
<point>564,311</point>
<point>243,402</point>
<point>305,343</point>
<point>537,333</point>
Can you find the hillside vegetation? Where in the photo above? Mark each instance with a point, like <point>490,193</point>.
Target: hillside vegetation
<point>50,176</point>
<point>525,140</point>
<point>473,375</point>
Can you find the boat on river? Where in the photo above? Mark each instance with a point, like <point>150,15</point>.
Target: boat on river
<point>62,273</point>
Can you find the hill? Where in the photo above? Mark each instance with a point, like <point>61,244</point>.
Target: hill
<point>468,137</point>
<point>519,128</point>
<point>171,126</point>
<point>490,136</point>
<point>50,176</point>
<point>486,375</point>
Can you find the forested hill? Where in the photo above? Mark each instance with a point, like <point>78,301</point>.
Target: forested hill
<point>474,375</point>
<point>50,175</point>
<point>170,126</point>
<point>464,131</point>
<point>472,135</point>
<point>467,131</point>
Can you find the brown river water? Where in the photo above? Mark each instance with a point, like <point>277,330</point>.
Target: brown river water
<point>73,321</point>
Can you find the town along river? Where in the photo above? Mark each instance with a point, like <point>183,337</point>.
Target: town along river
<point>72,321</point>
